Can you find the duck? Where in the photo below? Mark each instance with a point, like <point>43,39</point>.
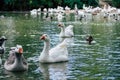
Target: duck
<point>59,53</point>
<point>66,32</point>
<point>2,47</point>
<point>89,39</point>
<point>16,60</point>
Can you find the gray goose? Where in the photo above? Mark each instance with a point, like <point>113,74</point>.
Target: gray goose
<point>16,60</point>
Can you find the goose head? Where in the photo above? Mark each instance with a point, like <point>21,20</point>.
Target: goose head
<point>2,39</point>
<point>61,25</point>
<point>45,37</point>
<point>18,50</point>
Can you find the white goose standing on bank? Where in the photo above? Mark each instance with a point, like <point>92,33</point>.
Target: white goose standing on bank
<point>2,47</point>
<point>57,54</point>
<point>16,60</point>
<point>66,32</point>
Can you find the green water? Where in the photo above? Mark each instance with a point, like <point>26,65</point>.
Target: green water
<point>99,61</point>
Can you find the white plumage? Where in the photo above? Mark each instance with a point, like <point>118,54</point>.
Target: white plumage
<point>66,32</point>
<point>57,54</point>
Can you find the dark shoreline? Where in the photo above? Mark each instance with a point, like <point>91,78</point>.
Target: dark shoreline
<point>14,11</point>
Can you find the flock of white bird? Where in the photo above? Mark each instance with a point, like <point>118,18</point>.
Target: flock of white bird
<point>59,12</point>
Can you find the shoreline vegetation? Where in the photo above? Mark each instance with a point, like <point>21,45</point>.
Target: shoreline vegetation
<point>27,5</point>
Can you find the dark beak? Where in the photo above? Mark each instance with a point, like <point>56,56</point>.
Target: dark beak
<point>5,39</point>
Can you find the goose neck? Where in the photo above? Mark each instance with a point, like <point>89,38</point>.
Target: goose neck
<point>62,29</point>
<point>62,33</point>
<point>46,47</point>
<point>18,58</point>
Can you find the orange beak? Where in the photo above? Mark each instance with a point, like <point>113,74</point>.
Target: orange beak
<point>42,37</point>
<point>20,50</point>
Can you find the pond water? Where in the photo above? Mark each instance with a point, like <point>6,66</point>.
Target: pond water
<point>98,61</point>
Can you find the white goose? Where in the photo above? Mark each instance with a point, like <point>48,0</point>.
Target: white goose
<point>57,54</point>
<point>16,60</point>
<point>66,32</point>
<point>60,17</point>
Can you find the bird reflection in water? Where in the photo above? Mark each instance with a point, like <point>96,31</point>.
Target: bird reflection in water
<point>56,71</point>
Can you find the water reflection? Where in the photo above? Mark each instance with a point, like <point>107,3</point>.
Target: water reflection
<point>54,71</point>
<point>15,75</point>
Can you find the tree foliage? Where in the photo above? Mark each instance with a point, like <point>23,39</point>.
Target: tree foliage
<point>71,3</point>
<point>17,5</point>
<point>116,3</point>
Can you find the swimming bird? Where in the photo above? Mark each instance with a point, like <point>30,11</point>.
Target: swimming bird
<point>2,47</point>
<point>60,17</point>
<point>66,32</point>
<point>89,39</point>
<point>50,55</point>
<point>16,60</point>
